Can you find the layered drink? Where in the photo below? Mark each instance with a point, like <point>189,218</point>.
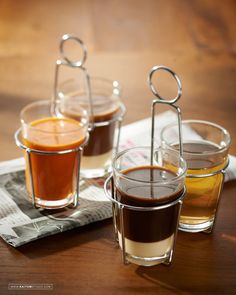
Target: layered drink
<point>146,203</point>
<point>106,111</point>
<point>148,234</point>
<point>98,152</point>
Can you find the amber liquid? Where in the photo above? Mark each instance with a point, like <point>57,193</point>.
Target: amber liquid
<point>200,203</point>
<point>54,175</point>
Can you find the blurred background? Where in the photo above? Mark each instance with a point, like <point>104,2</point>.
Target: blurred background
<point>196,38</point>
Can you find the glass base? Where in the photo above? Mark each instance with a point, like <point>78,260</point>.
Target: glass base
<point>148,261</point>
<point>49,204</point>
<point>148,254</point>
<point>96,166</point>
<point>95,173</point>
<point>195,228</point>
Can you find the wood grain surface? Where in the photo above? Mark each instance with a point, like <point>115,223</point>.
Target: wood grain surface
<point>125,39</point>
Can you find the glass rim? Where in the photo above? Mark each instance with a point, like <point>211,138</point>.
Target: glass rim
<point>143,208</point>
<point>21,145</point>
<point>203,122</point>
<point>121,109</point>
<point>175,178</point>
<point>28,125</point>
<point>114,83</point>
<point>119,116</point>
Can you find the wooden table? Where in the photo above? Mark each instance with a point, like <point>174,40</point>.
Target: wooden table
<point>124,39</point>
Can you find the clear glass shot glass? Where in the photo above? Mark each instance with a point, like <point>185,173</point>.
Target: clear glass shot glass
<point>205,149</point>
<point>52,147</point>
<point>106,117</point>
<point>146,203</point>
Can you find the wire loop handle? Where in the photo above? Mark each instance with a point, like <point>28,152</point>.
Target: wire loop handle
<point>79,64</point>
<point>153,89</point>
<point>161,100</point>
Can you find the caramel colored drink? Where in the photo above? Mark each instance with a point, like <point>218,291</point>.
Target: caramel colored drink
<point>52,165</point>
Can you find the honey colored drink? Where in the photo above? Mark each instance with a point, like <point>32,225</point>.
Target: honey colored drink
<point>205,149</point>
<point>202,196</point>
<point>54,175</point>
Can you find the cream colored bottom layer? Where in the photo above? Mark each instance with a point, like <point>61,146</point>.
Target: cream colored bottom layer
<point>96,162</point>
<point>147,250</point>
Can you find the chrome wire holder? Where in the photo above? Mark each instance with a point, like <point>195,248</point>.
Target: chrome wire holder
<point>78,64</point>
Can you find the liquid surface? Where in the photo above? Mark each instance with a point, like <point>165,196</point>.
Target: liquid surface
<point>201,155</point>
<point>104,108</point>
<point>152,189</point>
<point>200,147</point>
<point>54,134</point>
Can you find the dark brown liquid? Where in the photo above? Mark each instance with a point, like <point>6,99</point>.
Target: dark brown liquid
<point>101,137</point>
<point>100,140</point>
<point>148,226</point>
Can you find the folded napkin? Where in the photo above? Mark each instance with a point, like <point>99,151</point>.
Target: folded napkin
<point>20,223</point>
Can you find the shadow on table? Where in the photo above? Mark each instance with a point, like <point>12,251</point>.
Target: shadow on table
<point>160,277</point>
<point>197,265</point>
<point>66,240</point>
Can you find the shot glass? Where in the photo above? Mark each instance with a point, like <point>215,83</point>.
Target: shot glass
<point>52,147</point>
<point>106,117</point>
<point>205,149</point>
<point>146,203</point>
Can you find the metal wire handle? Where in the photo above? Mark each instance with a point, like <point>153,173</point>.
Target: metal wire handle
<point>153,89</point>
<point>161,100</point>
<point>78,64</point>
